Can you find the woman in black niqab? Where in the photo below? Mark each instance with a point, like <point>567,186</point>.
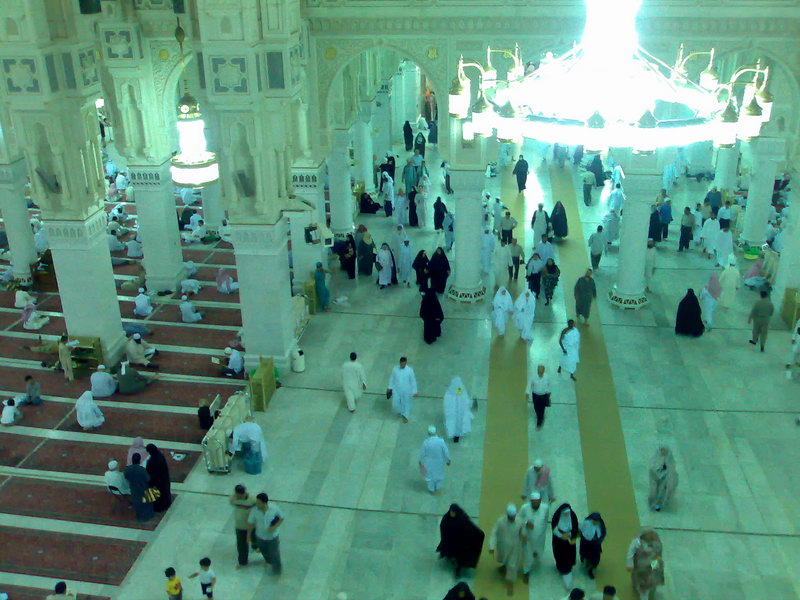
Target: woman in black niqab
<point>689,320</point>
<point>460,591</point>
<point>461,540</point>
<point>158,470</point>
<point>439,269</point>
<point>430,311</point>
<point>420,266</point>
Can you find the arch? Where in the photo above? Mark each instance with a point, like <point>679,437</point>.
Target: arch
<point>171,81</point>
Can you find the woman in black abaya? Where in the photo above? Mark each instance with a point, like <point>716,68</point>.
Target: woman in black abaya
<point>439,268</point>
<point>159,477</point>
<point>654,229</point>
<point>413,219</point>
<point>439,210</point>
<point>689,320</point>
<point>558,219</point>
<point>347,259</point>
<point>461,540</point>
<point>420,266</point>
<point>460,591</point>
<point>565,536</point>
<point>430,311</point>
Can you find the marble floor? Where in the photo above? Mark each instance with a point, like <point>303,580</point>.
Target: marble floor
<point>358,518</point>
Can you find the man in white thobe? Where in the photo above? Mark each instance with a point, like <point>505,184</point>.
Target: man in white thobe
<point>121,181</point>
<point>190,286</point>
<point>545,249</point>
<point>197,234</point>
<point>505,542</point>
<point>616,199</point>
<point>533,515</point>
<point>103,383</point>
<point>141,304</point>
<point>399,236</point>
<point>135,249</point>
<point>524,313</point>
<point>249,432</point>
<point>189,314</point>
<point>730,280</point>
<point>497,215</point>
<point>235,366</point>
<point>139,352</point>
<point>404,262</point>
<point>697,213</point>
<point>457,410</point>
<point>115,478</point>
<point>502,264</point>
<point>611,225</point>
<point>114,245</point>
<point>709,233</point>
<point>539,223</point>
<point>433,458</point>
<point>402,388</point>
<point>724,246</point>
<point>354,381</point>
<point>570,342</point>
<point>487,251</point>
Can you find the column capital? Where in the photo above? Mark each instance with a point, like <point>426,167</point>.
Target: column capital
<point>150,175</point>
<point>76,235</point>
<point>12,173</point>
<point>259,239</point>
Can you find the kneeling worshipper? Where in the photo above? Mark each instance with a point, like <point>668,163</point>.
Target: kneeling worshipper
<point>139,352</point>
<point>130,381</point>
<point>430,311</point>
<point>248,438</point>
<point>139,481</point>
<point>204,417</point>
<point>460,591</point>
<point>367,205</point>
<point>142,307</point>
<point>225,282</point>
<point>224,231</point>
<point>593,532</point>
<point>190,286</point>
<point>22,298</point>
<point>103,383</point>
<point>32,319</point>
<point>197,234</point>
<point>115,479</point>
<point>663,478</point>
<point>689,319</point>
<point>189,314</point>
<point>457,410</point>
<point>114,245</point>
<point>235,367</point>
<point>565,536</point>
<point>433,458</point>
<point>502,306</point>
<point>88,413</point>
<point>461,540</point>
<point>524,314</point>
<point>505,543</point>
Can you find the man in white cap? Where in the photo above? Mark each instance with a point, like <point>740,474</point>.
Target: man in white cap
<point>115,478</point>
<point>139,352</point>
<point>533,515</point>
<point>141,304</point>
<point>433,458</point>
<point>189,314</point>
<point>402,389</point>
<point>506,545</point>
<point>103,383</point>
<point>235,366</point>
<point>249,432</point>
<point>538,479</point>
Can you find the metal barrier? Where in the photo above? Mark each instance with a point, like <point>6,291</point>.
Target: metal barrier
<point>216,442</point>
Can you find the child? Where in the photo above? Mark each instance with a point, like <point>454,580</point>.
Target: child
<point>174,587</point>
<point>207,577</point>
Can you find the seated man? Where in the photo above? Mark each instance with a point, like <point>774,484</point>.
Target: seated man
<point>61,593</point>
<point>235,366</point>
<point>190,286</point>
<point>142,306</point>
<point>226,284</point>
<point>114,227</point>
<point>191,268</point>
<point>115,478</point>
<point>33,392</point>
<point>114,245</point>
<point>130,381</point>
<point>139,352</point>
<point>11,413</point>
<point>103,383</point>
<point>197,234</point>
<point>134,248</point>
<point>189,314</point>
<point>225,231</point>
<point>22,297</point>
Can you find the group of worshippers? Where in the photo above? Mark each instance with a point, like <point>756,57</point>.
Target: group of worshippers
<point>145,479</point>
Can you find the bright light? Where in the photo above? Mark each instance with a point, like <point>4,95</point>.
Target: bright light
<point>609,35</point>
<point>99,103</point>
<point>192,140</point>
<point>193,166</point>
<point>196,177</point>
<point>467,131</point>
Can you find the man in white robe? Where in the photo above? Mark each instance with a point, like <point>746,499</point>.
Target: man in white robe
<point>384,259</point>
<point>249,432</point>
<point>402,389</point>
<point>505,542</point>
<point>114,245</point>
<point>730,280</point>
<point>533,515</point>
<point>545,249</point>
<point>570,342</point>
<point>538,478</point>
<point>189,314</point>
<point>354,381</point>
<point>433,458</point>
<point>121,181</point>
<point>88,413</point>
<point>524,314</point>
<point>502,306</point>
<point>611,223</point>
<point>404,263</point>
<point>457,410</point>
<point>139,352</point>
<point>103,383</point>
<point>709,233</point>
<point>135,249</point>
<point>488,242</point>
<point>197,234</point>
<point>724,246</point>
<point>225,232</point>
<point>503,264</point>
<point>399,236</point>
<point>190,286</point>
<point>539,223</point>
<point>401,208</point>
<point>616,199</point>
<point>697,213</point>
<point>235,366</point>
<point>142,306</point>
<point>115,478</point>
<point>497,215</point>
<point>40,241</point>
<point>194,221</point>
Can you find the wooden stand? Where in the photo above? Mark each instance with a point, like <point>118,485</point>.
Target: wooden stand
<point>790,309</point>
<point>262,385</point>
<point>87,355</point>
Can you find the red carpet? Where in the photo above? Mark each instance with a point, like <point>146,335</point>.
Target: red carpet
<point>178,393</point>
<point>67,555</point>
<point>197,256</point>
<point>194,337</point>
<point>9,318</point>
<point>189,364</point>
<point>211,316</point>
<point>210,294</point>
<point>69,502</point>
<point>16,592</point>
<point>131,423</point>
<point>56,326</point>
<point>222,258</point>
<point>128,268</point>
<point>47,415</point>
<point>14,448</point>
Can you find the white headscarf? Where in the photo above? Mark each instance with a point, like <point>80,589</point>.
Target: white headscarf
<point>503,300</point>
<point>565,521</point>
<point>457,389</point>
<point>590,529</point>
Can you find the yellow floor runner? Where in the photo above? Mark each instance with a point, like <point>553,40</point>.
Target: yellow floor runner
<point>609,488</point>
<point>505,453</point>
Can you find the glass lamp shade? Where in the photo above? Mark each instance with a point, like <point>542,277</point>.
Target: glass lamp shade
<point>508,129</point>
<point>467,131</point>
<point>193,166</point>
<point>459,97</point>
<point>765,101</point>
<point>750,121</point>
<point>709,79</point>
<point>644,142</point>
<point>489,79</point>
<point>726,127</point>
<point>483,122</point>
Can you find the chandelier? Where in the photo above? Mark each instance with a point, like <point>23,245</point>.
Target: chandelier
<point>609,92</point>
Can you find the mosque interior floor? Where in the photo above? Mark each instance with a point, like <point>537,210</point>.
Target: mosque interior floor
<point>358,516</point>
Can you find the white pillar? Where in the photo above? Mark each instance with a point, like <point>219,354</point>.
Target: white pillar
<point>398,104</point>
<point>410,91</point>
<point>382,122</point>
<point>341,193</point>
<point>304,256</point>
<point>213,209</point>
<point>86,281</point>
<point>158,225</point>
<point>308,181</point>
<point>362,148</point>
<point>725,174</point>
<point>788,275</point>
<point>301,126</point>
<point>700,157</point>
<point>767,152</point>
<point>262,264</point>
<point>642,182</point>
<point>466,283</point>
<point>16,219</point>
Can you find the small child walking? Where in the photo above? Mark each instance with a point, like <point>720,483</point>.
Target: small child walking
<point>208,578</point>
<point>174,586</point>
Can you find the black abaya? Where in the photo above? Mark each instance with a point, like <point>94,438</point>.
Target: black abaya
<point>563,551</point>
<point>366,257</point>
<point>159,477</point>
<point>347,259</point>
<point>654,229</point>
<point>433,133</point>
<point>590,550</point>
<point>596,167</point>
<point>408,135</point>
<point>439,268</point>
<point>419,144</point>
<point>413,219</point>
<point>689,320</point>
<point>461,539</point>
<point>558,219</point>
<point>460,591</point>
<point>420,266</point>
<point>430,311</point>
<point>439,210</point>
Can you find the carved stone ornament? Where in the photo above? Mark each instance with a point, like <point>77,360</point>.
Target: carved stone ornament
<point>627,302</point>
<point>77,235</point>
<point>259,239</point>
<point>229,74</point>
<point>118,44</point>
<point>88,61</point>
<point>150,176</point>
<point>21,76</point>
<point>466,295</point>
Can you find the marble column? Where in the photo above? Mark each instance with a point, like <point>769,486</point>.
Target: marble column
<point>265,295</point>
<point>382,122</point>
<point>301,129</point>
<point>158,225</point>
<point>766,155</point>
<point>788,275</point>
<point>410,73</point>
<point>213,208</point>
<point>362,148</point>
<point>725,174</point>
<point>16,219</point>
<point>642,182</point>
<point>86,281</point>
<point>339,186</point>
<point>466,284</point>
<point>398,105</point>
<point>304,256</point>
<point>308,181</point>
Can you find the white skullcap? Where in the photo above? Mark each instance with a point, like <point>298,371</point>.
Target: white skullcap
<point>137,336</point>
<point>141,290</point>
<point>431,430</point>
<point>341,596</point>
<point>536,496</point>
<point>184,297</point>
<point>538,463</point>
<point>112,464</point>
<point>511,510</point>
<point>228,350</point>
<point>101,367</point>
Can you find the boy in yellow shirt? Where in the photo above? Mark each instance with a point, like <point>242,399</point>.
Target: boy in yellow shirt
<point>174,586</point>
